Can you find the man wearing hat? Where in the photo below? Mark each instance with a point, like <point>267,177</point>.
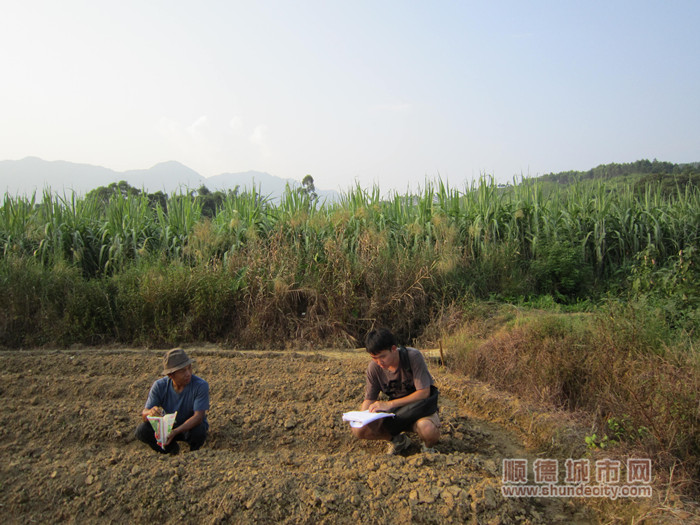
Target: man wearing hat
<point>182,392</point>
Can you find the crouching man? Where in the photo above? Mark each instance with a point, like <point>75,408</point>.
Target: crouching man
<point>182,392</point>
<point>402,374</point>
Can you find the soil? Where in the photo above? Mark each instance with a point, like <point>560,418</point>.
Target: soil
<point>277,452</point>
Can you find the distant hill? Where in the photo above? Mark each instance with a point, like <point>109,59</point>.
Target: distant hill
<point>32,174</point>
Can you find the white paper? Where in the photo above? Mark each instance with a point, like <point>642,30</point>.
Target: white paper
<point>359,418</point>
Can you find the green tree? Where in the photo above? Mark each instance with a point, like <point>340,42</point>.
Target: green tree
<point>158,198</point>
<point>307,186</point>
<point>210,201</point>
<point>122,188</point>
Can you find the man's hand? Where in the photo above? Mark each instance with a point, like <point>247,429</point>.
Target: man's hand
<point>380,406</point>
<point>153,412</point>
<point>388,406</point>
<point>192,422</point>
<point>174,432</point>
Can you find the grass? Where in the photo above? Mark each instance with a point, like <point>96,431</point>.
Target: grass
<point>638,384</point>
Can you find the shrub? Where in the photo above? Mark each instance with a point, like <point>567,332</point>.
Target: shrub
<point>616,365</point>
<point>560,270</point>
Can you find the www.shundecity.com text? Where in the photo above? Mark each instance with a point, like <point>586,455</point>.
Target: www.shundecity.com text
<point>603,479</point>
<point>576,491</point>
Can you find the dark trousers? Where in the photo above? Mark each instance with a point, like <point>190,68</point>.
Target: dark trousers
<point>195,437</point>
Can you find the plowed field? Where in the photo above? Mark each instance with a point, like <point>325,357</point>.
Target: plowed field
<point>277,452</point>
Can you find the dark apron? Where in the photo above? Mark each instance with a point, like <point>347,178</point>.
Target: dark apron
<point>406,415</point>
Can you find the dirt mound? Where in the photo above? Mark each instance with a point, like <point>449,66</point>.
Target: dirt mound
<point>278,450</point>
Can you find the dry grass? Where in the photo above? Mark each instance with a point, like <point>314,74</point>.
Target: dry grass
<point>636,401</point>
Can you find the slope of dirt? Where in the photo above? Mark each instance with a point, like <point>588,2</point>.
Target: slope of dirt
<point>278,450</point>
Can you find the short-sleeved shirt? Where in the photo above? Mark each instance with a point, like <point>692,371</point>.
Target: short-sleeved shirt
<point>194,397</point>
<point>379,379</point>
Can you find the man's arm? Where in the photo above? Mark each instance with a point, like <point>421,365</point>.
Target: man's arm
<point>386,406</point>
<point>153,402</point>
<point>189,424</point>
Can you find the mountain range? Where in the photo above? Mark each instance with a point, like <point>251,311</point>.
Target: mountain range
<point>34,175</point>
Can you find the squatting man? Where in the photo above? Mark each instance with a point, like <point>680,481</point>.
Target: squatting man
<point>182,392</point>
<point>401,374</point>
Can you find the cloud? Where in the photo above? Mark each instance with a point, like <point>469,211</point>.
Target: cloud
<point>173,132</point>
<point>196,144</point>
<point>211,145</point>
<point>259,139</point>
<point>182,134</point>
<point>197,129</point>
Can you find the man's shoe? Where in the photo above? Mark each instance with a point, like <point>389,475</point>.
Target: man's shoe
<point>398,444</point>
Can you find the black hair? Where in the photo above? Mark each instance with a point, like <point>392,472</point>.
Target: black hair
<point>378,340</point>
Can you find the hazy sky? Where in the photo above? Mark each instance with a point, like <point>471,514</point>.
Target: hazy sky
<point>386,92</point>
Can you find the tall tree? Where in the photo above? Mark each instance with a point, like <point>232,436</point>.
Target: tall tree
<point>308,187</point>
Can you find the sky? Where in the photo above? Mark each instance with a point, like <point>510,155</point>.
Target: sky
<point>369,92</point>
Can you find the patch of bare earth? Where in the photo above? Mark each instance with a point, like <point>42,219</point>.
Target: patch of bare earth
<point>278,451</point>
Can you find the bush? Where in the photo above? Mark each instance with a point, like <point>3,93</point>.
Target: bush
<point>35,302</point>
<point>616,365</point>
<point>672,287</point>
<point>171,304</point>
<point>560,270</point>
